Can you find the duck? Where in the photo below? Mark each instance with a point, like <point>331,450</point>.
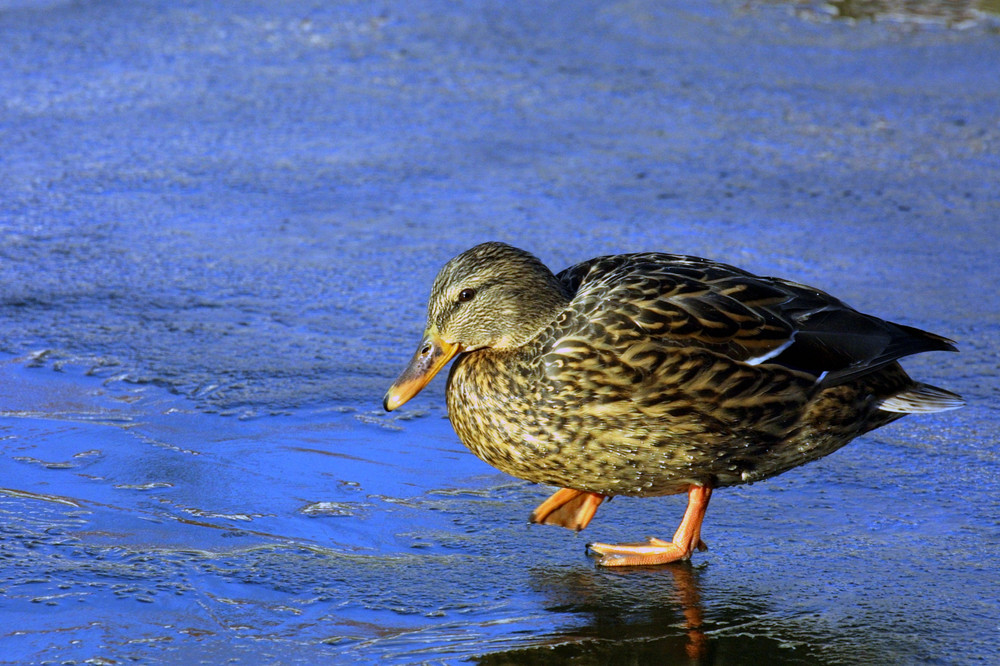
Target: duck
<point>651,374</point>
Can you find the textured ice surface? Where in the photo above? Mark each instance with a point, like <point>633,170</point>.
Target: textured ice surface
<point>236,209</point>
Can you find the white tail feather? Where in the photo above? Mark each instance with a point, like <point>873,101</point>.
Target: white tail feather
<point>922,399</point>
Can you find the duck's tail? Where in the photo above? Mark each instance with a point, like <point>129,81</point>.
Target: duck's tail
<point>921,399</point>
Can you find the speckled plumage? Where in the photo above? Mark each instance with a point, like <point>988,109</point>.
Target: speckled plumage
<point>649,374</point>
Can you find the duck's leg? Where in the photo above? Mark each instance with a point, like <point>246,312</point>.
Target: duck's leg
<point>567,508</point>
<point>657,551</point>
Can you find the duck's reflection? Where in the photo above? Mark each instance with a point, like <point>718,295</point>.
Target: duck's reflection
<point>671,614</point>
<point>689,599</point>
<point>658,609</point>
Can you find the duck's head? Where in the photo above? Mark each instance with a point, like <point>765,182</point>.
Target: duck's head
<point>491,296</point>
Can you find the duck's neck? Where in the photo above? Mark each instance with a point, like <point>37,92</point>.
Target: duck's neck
<point>541,301</point>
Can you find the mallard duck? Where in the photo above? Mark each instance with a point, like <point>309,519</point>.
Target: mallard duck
<point>654,374</point>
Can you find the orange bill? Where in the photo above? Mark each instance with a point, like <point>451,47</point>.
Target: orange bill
<point>432,355</point>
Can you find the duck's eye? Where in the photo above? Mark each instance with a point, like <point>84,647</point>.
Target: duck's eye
<point>466,295</point>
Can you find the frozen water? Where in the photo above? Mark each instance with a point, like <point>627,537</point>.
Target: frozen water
<point>220,223</point>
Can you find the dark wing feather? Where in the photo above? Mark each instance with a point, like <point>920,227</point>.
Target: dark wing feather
<point>835,339</point>
<point>691,302</point>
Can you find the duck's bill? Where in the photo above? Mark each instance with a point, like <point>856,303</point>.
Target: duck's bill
<point>432,355</point>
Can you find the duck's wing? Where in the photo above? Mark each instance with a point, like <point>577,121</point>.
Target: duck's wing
<point>680,301</point>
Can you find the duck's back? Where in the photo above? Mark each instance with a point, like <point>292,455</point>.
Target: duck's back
<point>684,301</point>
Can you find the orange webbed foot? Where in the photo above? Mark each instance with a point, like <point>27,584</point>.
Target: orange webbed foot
<point>568,508</point>
<point>655,551</point>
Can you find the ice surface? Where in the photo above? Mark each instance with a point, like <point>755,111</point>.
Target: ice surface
<point>219,225</point>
